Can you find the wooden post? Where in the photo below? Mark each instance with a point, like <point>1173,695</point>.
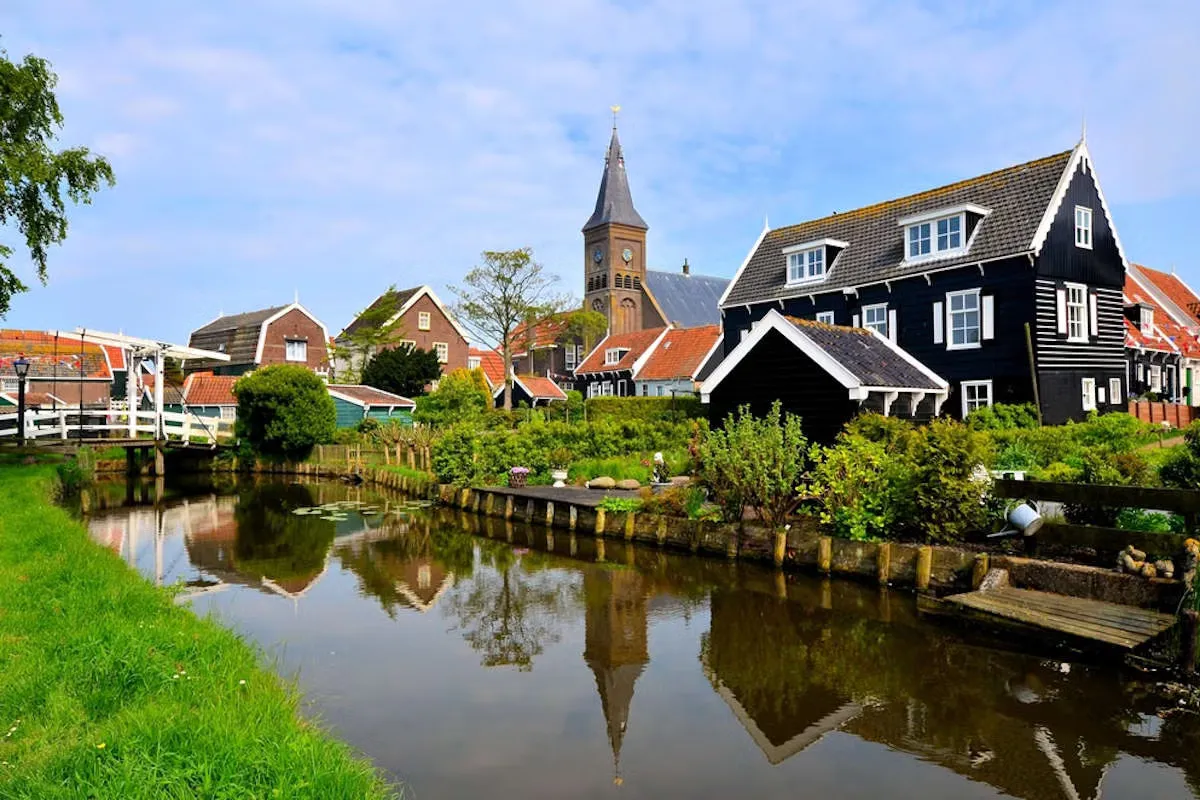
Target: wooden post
<point>661,532</point>
<point>572,544</point>
<point>488,503</point>
<point>572,518</point>
<point>1187,653</point>
<point>980,570</point>
<point>508,507</point>
<point>599,549</point>
<point>160,466</point>
<point>599,530</point>
<point>883,563</point>
<point>549,513</point>
<point>825,554</point>
<point>781,584</point>
<point>778,547</point>
<point>924,567</point>
<point>550,541</point>
<point>827,594</point>
<point>62,425</point>
<point>629,522</point>
<point>529,510</point>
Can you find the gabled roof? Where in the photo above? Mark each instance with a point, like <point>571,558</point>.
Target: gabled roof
<point>242,336</point>
<point>614,202</point>
<point>544,333</point>
<point>402,300</point>
<point>1184,303</point>
<point>172,392</point>
<point>1166,335</point>
<point>686,300</point>
<point>63,357</point>
<point>858,358</point>
<point>492,364</point>
<point>1016,199</point>
<point>206,389</point>
<point>637,343</point>
<point>537,387</point>
<point>368,396</point>
<point>680,354</point>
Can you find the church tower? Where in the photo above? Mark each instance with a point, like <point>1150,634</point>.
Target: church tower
<point>614,245</point>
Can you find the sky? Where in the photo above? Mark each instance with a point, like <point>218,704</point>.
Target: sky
<point>328,149</point>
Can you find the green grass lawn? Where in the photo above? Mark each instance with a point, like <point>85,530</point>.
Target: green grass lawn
<point>109,690</point>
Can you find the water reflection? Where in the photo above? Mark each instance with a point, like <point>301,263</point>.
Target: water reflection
<point>747,682</point>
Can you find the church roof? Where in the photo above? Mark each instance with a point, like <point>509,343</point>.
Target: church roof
<point>614,203</point>
<point>686,300</point>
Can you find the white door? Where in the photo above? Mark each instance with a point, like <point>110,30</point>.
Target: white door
<point>1089,394</point>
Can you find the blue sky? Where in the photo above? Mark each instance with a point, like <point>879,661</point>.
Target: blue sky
<point>334,148</point>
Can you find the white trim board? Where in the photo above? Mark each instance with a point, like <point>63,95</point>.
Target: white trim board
<point>262,328</point>
<point>753,249</point>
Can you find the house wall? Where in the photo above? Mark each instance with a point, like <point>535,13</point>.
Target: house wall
<point>776,370</point>
<point>295,324</point>
<point>627,390</point>
<point>665,388</point>
<point>348,414</point>
<point>1168,363</point>
<point>94,393</point>
<point>401,415</point>
<point>1004,359</point>
<point>440,330</point>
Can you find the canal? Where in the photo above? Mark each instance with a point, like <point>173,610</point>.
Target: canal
<point>473,658</point>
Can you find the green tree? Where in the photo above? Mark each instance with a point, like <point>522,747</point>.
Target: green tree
<point>462,395</point>
<point>508,289</point>
<point>756,461</point>
<point>584,326</point>
<point>36,180</point>
<point>403,370</point>
<point>372,329</point>
<point>284,411</point>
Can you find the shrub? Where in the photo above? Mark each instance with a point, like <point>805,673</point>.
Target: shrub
<point>1182,469</point>
<point>757,461</point>
<point>1136,519</point>
<point>462,395</point>
<point>1104,467</point>
<point>455,455</point>
<point>404,370</point>
<point>864,488</point>
<point>644,408</point>
<point>948,497</point>
<point>284,411</point>
<point>620,505</point>
<point>1003,416</point>
<point>368,426</point>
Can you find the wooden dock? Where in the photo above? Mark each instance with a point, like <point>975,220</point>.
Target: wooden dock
<point>1091,622</point>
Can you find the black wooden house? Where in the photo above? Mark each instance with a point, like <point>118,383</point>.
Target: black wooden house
<point>953,276</point>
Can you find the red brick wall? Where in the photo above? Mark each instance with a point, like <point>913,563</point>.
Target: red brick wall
<point>440,330</point>
<point>295,324</point>
<point>1176,415</point>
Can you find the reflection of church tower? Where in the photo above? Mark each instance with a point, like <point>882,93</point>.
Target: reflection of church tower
<point>615,644</point>
<point>614,243</point>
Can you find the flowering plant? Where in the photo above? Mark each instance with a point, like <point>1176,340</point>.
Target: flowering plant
<point>519,471</point>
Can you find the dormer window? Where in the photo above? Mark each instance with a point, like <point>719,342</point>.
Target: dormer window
<point>474,362</point>
<point>1146,320</point>
<point>613,355</point>
<point>941,233</point>
<point>809,262</point>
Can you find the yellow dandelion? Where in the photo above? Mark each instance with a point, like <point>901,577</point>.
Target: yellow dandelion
<point>100,746</point>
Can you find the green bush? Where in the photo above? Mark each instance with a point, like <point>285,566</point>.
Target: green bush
<point>461,396</point>
<point>1003,416</point>
<point>651,409</point>
<point>620,505</point>
<point>1137,519</point>
<point>284,411</point>
<point>618,469</point>
<point>948,496</point>
<point>1104,467</point>
<point>1182,468</point>
<point>865,488</point>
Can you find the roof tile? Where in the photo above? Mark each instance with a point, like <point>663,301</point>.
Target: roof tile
<point>634,342</point>
<point>680,354</point>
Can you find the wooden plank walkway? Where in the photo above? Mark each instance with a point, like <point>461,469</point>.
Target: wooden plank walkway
<point>571,495</point>
<point>1125,627</point>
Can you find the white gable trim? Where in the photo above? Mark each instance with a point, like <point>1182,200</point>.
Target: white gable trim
<point>707,357</point>
<point>753,249</point>
<point>262,329</point>
<point>1078,156</point>
<point>404,402</point>
<point>641,360</point>
<point>591,353</point>
<point>423,291</point>
<point>1169,306</point>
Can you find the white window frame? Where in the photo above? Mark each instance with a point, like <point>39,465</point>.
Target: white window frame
<point>880,322</point>
<point>606,388</point>
<point>1141,372</point>
<point>1146,320</point>
<point>1114,391</point>
<point>950,326</point>
<point>290,355</point>
<point>474,362</point>
<point>613,355</point>
<point>569,352</point>
<point>423,321</point>
<point>1155,381</point>
<point>970,404</point>
<point>443,352</point>
<point>411,344</point>
<point>1083,227</point>
<point>621,388</point>
<point>1087,388</point>
<point>1081,307</point>
<point>826,317</point>
<point>806,266</point>
<point>928,235</point>
<point>228,412</point>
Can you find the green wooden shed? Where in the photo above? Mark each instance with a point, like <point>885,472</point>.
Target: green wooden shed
<point>356,402</point>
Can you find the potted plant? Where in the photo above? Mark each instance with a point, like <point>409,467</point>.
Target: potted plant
<point>560,459</point>
<point>517,477</point>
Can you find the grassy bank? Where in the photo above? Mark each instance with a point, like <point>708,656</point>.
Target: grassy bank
<point>109,690</point>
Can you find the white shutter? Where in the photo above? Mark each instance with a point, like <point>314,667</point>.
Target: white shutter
<point>854,321</point>
<point>1060,296</point>
<point>939,320</point>
<point>989,308</point>
<point>1093,313</point>
<point>892,324</point>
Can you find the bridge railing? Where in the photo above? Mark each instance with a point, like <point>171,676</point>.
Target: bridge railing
<point>100,424</point>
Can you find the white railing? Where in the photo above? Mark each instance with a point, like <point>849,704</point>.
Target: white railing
<point>64,424</point>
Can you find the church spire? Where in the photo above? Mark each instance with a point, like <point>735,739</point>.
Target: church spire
<point>614,203</point>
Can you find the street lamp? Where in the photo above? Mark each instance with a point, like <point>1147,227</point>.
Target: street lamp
<point>21,365</point>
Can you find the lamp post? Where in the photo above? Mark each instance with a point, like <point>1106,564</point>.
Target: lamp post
<point>21,365</point>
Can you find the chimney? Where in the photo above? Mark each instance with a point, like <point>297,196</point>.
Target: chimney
<point>686,269</point>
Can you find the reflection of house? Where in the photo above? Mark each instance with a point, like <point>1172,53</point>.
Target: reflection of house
<point>396,565</point>
<point>615,643</point>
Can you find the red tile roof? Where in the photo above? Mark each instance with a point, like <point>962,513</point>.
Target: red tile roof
<point>63,357</point>
<point>1166,335</point>
<point>680,354</point>
<point>116,356</point>
<point>492,364</point>
<point>636,343</point>
<point>541,388</point>
<point>369,395</point>
<point>543,334</point>
<point>172,393</point>
<point>1175,290</point>
<point>206,389</point>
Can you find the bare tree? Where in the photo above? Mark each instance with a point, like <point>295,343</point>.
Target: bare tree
<point>509,288</point>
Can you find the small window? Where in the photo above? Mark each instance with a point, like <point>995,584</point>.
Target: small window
<point>295,350</point>
<point>569,352</point>
<point>1114,390</point>
<point>975,394</point>
<point>423,321</point>
<point>473,362</point>
<point>1141,373</point>
<point>228,412</point>
<point>806,265</point>
<point>875,318</point>
<point>1146,320</point>
<point>963,310</point>
<point>606,389</point>
<point>1155,378</point>
<point>1077,312</point>
<point>825,317</point>
<point>1088,385</point>
<point>935,237</point>
<point>443,352</point>
<point>11,384</point>
<point>1083,227</point>
<point>613,355</point>
<point>645,389</point>
<point>221,347</point>
<point>660,391</point>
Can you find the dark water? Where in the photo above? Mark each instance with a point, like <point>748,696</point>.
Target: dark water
<point>529,666</point>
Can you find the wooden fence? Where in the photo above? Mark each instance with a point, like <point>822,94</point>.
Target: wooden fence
<point>400,455</point>
<point>1177,415</point>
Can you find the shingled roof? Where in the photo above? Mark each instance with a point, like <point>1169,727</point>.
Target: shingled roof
<point>635,343</point>
<point>389,303</point>
<point>491,362</point>
<point>369,396</point>
<point>680,354</point>
<point>1016,198</point>
<point>614,202</point>
<point>686,300</point>
<point>235,335</point>
<point>1178,296</point>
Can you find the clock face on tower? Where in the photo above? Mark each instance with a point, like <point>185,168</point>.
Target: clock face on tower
<point>627,255</point>
<point>598,304</point>
<point>598,254</point>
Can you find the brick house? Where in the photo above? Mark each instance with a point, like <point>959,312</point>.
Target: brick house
<point>280,335</point>
<point>414,317</point>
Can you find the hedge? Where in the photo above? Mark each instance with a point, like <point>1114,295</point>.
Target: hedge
<point>622,409</point>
